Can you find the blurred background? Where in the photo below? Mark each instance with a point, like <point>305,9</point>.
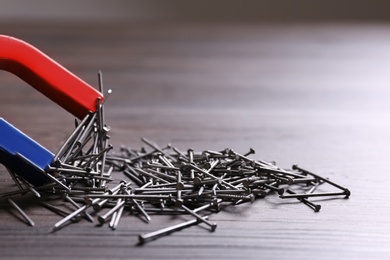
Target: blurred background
<point>201,10</point>
<point>173,55</point>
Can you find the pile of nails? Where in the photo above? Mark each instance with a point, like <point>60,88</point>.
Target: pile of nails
<point>170,181</point>
<point>160,181</point>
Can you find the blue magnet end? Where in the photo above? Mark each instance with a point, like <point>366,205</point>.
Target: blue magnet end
<point>22,155</point>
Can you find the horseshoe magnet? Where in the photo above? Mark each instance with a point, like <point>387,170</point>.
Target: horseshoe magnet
<point>47,76</point>
<point>19,153</point>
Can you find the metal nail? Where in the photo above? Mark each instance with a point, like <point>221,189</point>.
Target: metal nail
<point>155,234</point>
<point>24,215</point>
<point>200,218</point>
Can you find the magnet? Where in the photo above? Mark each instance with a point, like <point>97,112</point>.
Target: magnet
<point>48,77</point>
<point>22,155</point>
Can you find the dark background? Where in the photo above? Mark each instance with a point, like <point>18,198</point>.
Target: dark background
<point>201,11</point>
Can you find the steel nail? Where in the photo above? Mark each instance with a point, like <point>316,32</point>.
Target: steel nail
<point>315,207</point>
<point>24,215</point>
<point>347,193</point>
<point>200,218</point>
<point>104,218</point>
<point>155,234</point>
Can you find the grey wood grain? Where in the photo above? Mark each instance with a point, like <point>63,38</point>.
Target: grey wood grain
<point>316,95</point>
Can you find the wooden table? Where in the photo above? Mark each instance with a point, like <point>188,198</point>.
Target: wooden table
<point>316,95</point>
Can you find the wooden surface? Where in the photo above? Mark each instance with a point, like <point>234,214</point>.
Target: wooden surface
<point>316,95</point>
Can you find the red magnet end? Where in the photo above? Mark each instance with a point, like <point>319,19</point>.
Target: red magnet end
<point>47,76</point>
